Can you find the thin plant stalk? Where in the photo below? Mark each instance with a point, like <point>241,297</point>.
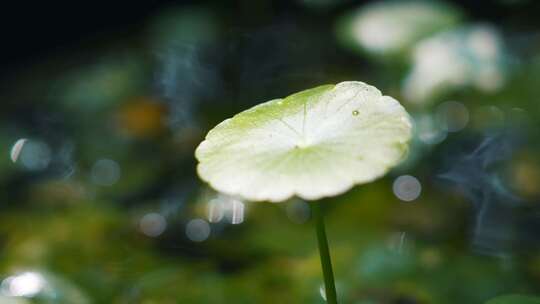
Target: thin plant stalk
<point>324,252</point>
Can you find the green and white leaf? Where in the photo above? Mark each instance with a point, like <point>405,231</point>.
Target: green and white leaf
<point>388,28</point>
<point>316,143</point>
<point>470,56</point>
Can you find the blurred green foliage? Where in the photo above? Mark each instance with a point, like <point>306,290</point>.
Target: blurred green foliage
<point>72,232</point>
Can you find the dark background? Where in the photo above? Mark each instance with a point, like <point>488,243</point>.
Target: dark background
<point>32,30</point>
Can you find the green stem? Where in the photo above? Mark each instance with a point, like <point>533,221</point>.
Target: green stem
<point>326,262</point>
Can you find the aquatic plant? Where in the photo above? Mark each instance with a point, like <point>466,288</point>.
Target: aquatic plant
<point>313,144</point>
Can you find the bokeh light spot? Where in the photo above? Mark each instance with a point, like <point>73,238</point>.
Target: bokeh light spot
<point>26,284</point>
<point>407,188</point>
<point>105,172</point>
<point>32,154</point>
<point>153,224</point>
<point>428,131</point>
<point>198,230</point>
<point>226,207</point>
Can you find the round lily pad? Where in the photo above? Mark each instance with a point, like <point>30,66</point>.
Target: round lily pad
<point>313,144</point>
